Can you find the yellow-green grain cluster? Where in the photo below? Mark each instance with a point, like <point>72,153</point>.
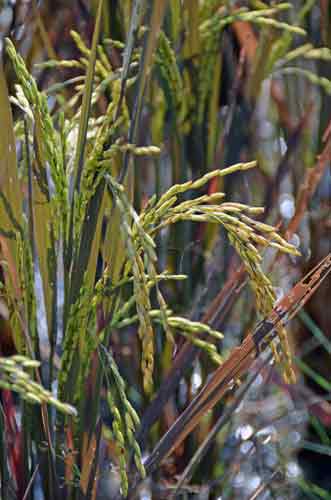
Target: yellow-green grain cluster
<point>125,420</point>
<point>166,61</point>
<point>14,376</point>
<point>136,262</point>
<point>48,144</point>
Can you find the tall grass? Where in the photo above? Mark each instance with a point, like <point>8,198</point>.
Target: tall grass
<point>103,172</point>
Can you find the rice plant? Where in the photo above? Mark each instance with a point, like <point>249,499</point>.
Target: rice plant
<point>122,155</point>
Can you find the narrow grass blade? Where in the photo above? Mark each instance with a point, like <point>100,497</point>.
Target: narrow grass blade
<point>86,104</point>
<point>313,491</point>
<point>307,370</point>
<point>136,14</point>
<point>43,230</point>
<point>83,126</point>
<point>315,330</point>
<point>320,430</point>
<point>156,17</point>
<point>316,447</point>
<point>11,198</point>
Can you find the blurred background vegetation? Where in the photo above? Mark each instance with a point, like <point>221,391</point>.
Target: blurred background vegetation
<point>211,83</point>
